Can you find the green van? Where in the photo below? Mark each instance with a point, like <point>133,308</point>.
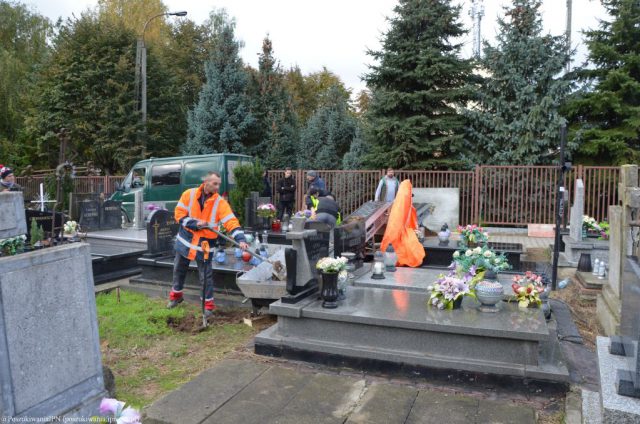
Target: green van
<point>163,180</point>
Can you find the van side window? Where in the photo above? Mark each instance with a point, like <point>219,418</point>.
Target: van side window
<point>165,175</point>
<point>195,171</point>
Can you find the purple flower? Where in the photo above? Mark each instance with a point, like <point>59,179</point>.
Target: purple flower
<point>110,406</point>
<point>114,407</point>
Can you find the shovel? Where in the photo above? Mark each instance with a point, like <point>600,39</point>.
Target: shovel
<point>278,272</point>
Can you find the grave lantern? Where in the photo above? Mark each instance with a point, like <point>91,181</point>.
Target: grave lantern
<point>390,259</point>
<point>378,267</point>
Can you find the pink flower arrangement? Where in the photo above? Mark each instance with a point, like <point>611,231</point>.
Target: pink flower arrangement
<point>116,409</point>
<point>473,234</point>
<point>266,210</point>
<point>527,289</point>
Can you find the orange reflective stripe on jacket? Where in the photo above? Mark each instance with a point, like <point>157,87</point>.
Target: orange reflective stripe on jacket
<point>400,229</point>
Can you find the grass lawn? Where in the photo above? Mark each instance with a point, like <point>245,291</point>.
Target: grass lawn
<point>152,350</point>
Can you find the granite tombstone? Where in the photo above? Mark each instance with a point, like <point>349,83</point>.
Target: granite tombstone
<point>111,215</point>
<point>90,215</point>
<point>44,220</point>
<point>161,231</point>
<point>350,237</point>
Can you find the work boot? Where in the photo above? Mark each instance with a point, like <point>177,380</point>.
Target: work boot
<point>173,303</point>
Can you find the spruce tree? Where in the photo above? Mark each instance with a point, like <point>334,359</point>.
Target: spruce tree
<point>516,119</point>
<point>222,120</point>
<point>354,158</point>
<point>275,130</point>
<point>328,134</point>
<point>417,87</point>
<point>605,115</point>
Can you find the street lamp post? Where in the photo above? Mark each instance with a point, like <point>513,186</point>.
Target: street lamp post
<point>141,72</point>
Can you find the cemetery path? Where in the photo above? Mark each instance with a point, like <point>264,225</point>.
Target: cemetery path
<point>254,391</point>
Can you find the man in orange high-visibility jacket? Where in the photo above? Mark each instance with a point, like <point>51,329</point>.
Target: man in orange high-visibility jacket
<point>197,209</point>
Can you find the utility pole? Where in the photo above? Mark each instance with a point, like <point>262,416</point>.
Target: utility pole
<point>141,75</point>
<point>568,32</point>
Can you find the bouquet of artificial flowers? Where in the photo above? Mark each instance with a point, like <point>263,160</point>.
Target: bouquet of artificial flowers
<point>590,224</point>
<point>266,210</point>
<point>527,289</point>
<point>70,227</point>
<point>482,258</point>
<point>473,234</point>
<point>331,265</point>
<point>447,289</point>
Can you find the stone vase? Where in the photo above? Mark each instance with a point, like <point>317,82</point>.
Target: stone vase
<point>329,293</point>
<point>489,293</point>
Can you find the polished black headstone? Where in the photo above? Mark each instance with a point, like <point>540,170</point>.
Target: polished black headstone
<point>350,237</point>
<point>161,231</point>
<point>90,215</point>
<point>111,216</point>
<point>44,220</point>
<point>317,246</point>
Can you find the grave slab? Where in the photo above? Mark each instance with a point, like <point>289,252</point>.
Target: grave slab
<point>397,326</point>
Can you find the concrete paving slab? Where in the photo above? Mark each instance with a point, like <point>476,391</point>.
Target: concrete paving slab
<point>241,391</point>
<point>434,407</point>
<point>202,396</point>
<point>490,412</point>
<point>265,397</point>
<point>326,399</point>
<point>384,404</point>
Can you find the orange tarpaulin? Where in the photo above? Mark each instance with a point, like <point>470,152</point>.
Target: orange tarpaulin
<point>400,229</point>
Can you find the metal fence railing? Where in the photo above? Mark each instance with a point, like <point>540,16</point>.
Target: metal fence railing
<point>491,195</point>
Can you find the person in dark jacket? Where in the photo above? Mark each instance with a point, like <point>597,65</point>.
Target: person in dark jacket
<point>287,190</point>
<point>266,186</point>
<point>326,207</point>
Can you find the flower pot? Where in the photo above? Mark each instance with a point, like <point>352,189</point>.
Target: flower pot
<point>297,223</point>
<point>265,223</point>
<point>458,302</point>
<point>329,293</point>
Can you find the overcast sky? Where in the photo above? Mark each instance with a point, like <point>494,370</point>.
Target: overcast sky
<point>337,33</point>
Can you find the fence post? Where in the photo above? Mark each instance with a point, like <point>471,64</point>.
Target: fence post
<point>477,181</point>
<point>580,171</point>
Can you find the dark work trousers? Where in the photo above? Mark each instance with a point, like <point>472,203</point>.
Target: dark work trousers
<point>205,273</point>
<point>285,206</point>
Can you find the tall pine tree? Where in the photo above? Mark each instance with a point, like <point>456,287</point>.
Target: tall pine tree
<point>605,115</point>
<point>516,120</point>
<point>222,120</point>
<point>417,87</point>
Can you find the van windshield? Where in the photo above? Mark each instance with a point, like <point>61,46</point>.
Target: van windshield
<point>134,179</point>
